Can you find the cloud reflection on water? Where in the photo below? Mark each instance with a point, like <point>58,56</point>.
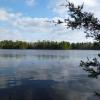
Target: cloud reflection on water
<point>44,75</point>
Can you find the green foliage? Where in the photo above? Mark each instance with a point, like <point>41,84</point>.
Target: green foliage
<point>8,44</point>
<point>80,19</point>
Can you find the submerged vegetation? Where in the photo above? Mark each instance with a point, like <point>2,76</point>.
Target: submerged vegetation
<point>8,44</point>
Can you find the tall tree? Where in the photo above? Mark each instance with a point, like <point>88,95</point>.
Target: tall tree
<point>79,19</point>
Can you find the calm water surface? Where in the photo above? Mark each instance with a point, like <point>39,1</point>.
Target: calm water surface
<point>46,75</point>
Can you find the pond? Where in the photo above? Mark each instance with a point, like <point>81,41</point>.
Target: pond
<point>46,75</point>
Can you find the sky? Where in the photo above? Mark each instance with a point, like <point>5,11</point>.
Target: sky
<point>26,20</point>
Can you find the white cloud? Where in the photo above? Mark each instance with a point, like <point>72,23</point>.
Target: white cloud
<point>56,8</point>
<point>6,15</point>
<point>8,34</point>
<point>20,27</point>
<point>30,2</point>
<point>89,5</point>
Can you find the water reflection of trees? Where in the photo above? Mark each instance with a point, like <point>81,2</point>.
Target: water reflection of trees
<point>93,69</point>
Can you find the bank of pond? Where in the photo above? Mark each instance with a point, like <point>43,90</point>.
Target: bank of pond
<point>63,45</point>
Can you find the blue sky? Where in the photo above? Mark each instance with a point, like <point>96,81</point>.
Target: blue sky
<point>38,8</point>
<point>26,20</point>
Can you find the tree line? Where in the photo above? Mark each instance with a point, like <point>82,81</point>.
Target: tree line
<point>9,44</point>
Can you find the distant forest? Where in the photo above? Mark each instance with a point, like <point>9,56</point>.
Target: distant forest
<point>52,45</point>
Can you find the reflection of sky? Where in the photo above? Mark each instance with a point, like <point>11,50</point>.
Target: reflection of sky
<point>59,66</point>
<point>52,65</point>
